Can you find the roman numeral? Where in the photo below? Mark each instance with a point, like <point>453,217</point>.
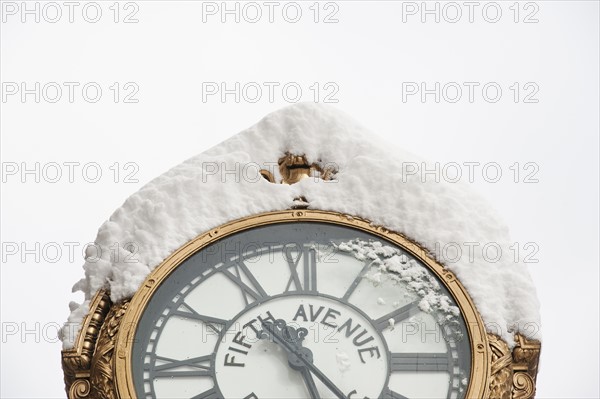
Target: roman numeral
<point>310,270</point>
<point>252,292</point>
<point>187,311</point>
<point>210,394</point>
<point>419,362</point>
<point>309,263</point>
<point>389,394</point>
<point>197,364</point>
<point>356,281</point>
<point>397,315</point>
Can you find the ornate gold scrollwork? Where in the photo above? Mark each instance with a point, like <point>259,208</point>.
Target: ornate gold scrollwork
<point>523,386</point>
<point>77,362</point>
<point>102,370</point>
<point>88,367</point>
<point>526,356</point>
<point>513,375</point>
<point>501,370</point>
<point>79,389</point>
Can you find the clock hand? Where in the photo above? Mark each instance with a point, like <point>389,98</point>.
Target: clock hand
<point>296,363</point>
<point>310,366</point>
<point>294,350</point>
<point>310,384</point>
<point>299,357</point>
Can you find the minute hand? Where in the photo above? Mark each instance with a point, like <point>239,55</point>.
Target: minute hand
<point>297,351</point>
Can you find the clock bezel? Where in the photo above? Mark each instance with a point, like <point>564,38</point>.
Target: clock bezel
<point>480,362</point>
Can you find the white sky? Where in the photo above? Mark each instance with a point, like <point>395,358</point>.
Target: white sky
<point>170,54</point>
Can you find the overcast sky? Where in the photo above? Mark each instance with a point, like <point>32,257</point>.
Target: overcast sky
<point>131,90</point>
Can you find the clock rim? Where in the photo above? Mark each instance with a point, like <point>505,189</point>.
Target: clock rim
<point>480,362</point>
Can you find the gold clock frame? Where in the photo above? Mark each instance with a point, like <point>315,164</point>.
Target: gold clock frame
<point>99,366</point>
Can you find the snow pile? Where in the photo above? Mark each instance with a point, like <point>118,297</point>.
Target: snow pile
<point>416,278</point>
<point>222,184</point>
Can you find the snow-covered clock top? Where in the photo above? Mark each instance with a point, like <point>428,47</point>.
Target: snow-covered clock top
<point>370,180</point>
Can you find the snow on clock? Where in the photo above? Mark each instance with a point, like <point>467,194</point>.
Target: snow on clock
<point>314,280</point>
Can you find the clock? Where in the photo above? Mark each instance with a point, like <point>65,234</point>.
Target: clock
<point>301,304</point>
<point>286,299</point>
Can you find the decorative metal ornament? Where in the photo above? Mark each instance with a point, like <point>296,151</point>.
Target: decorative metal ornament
<point>100,365</point>
<point>294,168</point>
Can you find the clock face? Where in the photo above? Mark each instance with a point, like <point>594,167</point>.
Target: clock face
<point>301,310</point>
